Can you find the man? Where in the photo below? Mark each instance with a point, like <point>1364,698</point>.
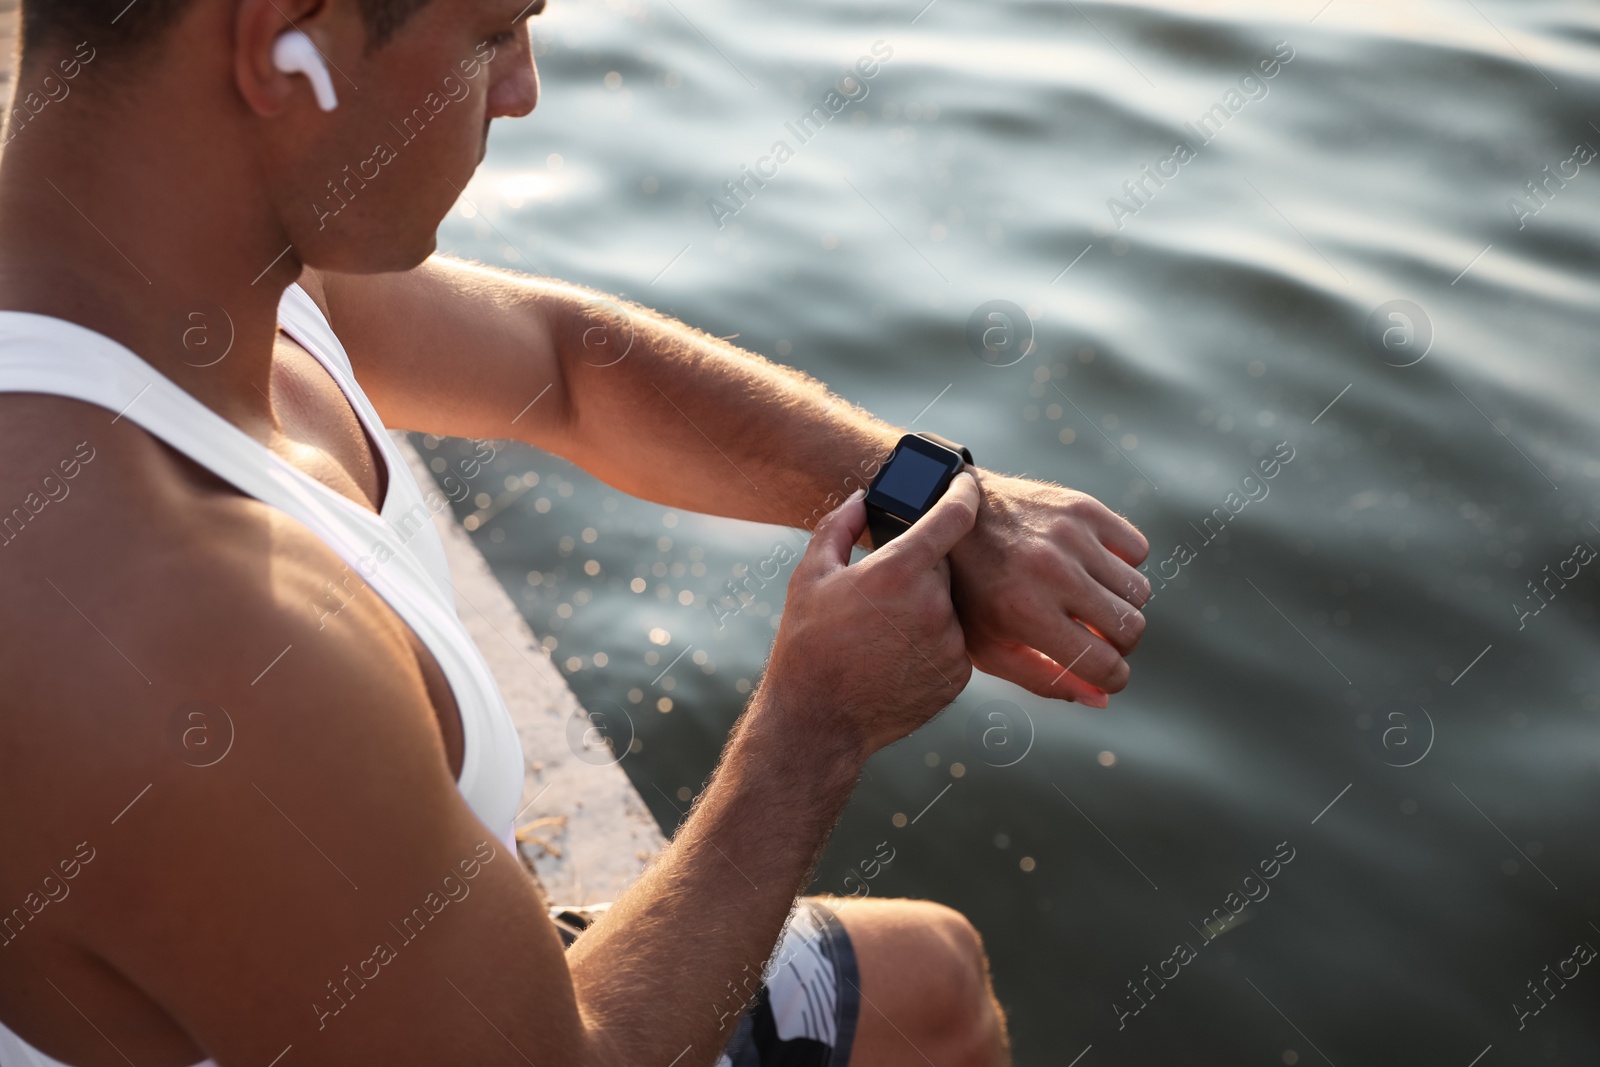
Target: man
<point>186,173</point>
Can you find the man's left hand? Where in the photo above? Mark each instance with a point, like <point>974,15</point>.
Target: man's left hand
<point>1047,592</point>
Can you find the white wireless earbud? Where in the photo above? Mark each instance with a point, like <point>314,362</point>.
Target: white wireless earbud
<point>293,53</point>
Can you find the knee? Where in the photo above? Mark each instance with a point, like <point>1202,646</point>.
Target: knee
<point>961,1017</point>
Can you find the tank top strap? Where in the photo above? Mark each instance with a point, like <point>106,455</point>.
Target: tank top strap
<point>303,318</point>
<point>44,354</point>
<point>404,508</point>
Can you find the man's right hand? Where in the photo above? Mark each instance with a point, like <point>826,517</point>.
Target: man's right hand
<point>874,650</point>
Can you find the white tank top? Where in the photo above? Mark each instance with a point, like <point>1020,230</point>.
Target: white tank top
<point>44,354</point>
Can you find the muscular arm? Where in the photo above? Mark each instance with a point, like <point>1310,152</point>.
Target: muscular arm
<point>323,885</point>
<point>645,403</point>
<point>665,412</point>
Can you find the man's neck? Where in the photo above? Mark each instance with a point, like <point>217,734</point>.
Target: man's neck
<point>103,224</point>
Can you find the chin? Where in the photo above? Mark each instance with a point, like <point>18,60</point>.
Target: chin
<point>385,257</point>
<point>414,256</point>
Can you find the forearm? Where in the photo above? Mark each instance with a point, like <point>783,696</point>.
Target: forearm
<point>691,421</point>
<point>669,414</point>
<point>641,401</point>
<point>678,957</point>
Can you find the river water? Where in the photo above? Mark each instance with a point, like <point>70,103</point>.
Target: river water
<point>1347,810</point>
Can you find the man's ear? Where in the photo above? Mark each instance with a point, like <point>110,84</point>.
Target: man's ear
<point>267,90</point>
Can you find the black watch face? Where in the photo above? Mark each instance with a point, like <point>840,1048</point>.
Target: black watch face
<point>914,478</point>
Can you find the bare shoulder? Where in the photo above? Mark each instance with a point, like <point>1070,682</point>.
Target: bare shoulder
<point>97,513</point>
<point>134,579</point>
<point>207,760</point>
<point>137,588</point>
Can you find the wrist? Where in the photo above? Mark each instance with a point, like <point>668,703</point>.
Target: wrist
<point>799,736</point>
<point>990,515</point>
<point>870,465</point>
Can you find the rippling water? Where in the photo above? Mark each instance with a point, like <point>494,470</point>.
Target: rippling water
<point>1350,683</point>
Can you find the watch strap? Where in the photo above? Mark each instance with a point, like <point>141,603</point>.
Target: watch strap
<point>945,442</point>
<point>883,526</point>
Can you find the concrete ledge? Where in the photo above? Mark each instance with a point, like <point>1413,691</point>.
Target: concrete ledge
<point>597,833</point>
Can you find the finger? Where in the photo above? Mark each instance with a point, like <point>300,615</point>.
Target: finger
<point>1121,537</point>
<point>1075,646</point>
<point>1111,614</point>
<point>1131,590</point>
<point>1035,672</point>
<point>932,537</point>
<point>1123,581</point>
<point>836,533</point>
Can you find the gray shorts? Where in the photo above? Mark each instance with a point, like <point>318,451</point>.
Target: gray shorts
<point>804,1014</point>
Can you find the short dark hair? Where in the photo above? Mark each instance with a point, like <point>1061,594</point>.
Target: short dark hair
<point>124,28</point>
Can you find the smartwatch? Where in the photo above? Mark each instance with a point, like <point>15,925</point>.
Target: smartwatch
<point>911,481</point>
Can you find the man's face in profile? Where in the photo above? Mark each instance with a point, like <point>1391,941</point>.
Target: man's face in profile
<point>411,128</point>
